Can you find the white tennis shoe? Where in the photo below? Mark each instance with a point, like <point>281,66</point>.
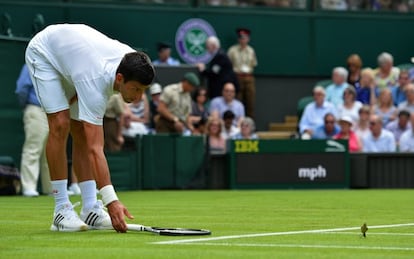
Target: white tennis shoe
<point>67,220</point>
<point>97,217</point>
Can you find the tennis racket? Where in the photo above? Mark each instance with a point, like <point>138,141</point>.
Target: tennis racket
<point>169,231</point>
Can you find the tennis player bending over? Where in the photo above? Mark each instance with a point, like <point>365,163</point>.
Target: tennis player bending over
<point>75,69</point>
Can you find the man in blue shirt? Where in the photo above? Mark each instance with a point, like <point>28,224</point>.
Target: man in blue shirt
<point>164,55</point>
<point>36,129</point>
<point>379,139</point>
<point>329,129</point>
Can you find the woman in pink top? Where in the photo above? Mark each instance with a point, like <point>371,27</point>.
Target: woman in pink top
<point>346,132</point>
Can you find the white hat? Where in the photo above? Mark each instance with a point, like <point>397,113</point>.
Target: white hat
<point>155,88</point>
<point>346,118</point>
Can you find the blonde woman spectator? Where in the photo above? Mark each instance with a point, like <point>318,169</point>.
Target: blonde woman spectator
<point>247,129</point>
<point>385,107</point>
<point>217,144</point>
<point>354,65</point>
<point>386,75</point>
<point>351,106</point>
<point>366,89</point>
<point>361,128</point>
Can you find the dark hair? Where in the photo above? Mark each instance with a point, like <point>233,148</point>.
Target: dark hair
<point>228,115</point>
<point>404,113</point>
<point>137,66</point>
<point>197,92</point>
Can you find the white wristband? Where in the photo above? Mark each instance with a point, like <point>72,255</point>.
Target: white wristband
<point>108,194</point>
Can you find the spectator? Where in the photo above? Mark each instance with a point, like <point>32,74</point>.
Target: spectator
<point>335,91</point>
<point>354,65</point>
<point>407,138</point>
<point>199,110</point>
<point>219,71</point>
<point>386,75</point>
<point>351,106</point>
<point>366,88</point>
<point>244,60</point>
<point>361,128</point>
<point>155,91</point>
<point>217,144</point>
<point>398,92</point>
<point>33,161</point>
<point>229,130</point>
<point>409,103</point>
<point>226,102</point>
<point>385,107</point>
<point>113,122</point>
<point>346,132</point>
<point>379,139</point>
<point>314,113</point>
<point>164,55</point>
<point>174,107</point>
<point>136,119</point>
<point>247,129</point>
<point>397,127</point>
<point>328,129</point>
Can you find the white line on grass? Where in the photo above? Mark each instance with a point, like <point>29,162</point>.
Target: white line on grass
<point>308,246</point>
<point>370,233</point>
<point>202,240</point>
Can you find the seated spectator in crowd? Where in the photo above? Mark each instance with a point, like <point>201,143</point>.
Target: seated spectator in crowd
<point>398,92</point>
<point>247,129</point>
<point>386,75</point>
<point>385,107</point>
<point>199,108</point>
<point>200,127</point>
<point>398,126</point>
<point>229,130</point>
<point>335,91</point>
<point>136,118</point>
<point>164,55</point>
<point>217,144</point>
<point>354,65</point>
<point>361,128</point>
<point>155,91</point>
<point>366,89</point>
<point>346,132</point>
<point>351,106</point>
<point>314,113</point>
<point>328,129</point>
<point>112,123</point>
<point>408,104</point>
<point>407,138</point>
<point>227,101</point>
<point>379,139</point>
<point>174,107</point>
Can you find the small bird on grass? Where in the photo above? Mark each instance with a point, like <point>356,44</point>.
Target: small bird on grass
<point>364,229</point>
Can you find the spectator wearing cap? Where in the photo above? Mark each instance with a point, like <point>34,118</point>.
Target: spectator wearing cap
<point>155,91</point>
<point>229,129</point>
<point>164,55</point>
<point>346,132</point>
<point>350,106</point>
<point>379,139</point>
<point>314,113</point>
<point>175,103</point>
<point>219,70</point>
<point>335,91</point>
<point>244,60</point>
<point>226,102</point>
<point>407,138</point>
<point>400,125</point>
<point>409,103</point>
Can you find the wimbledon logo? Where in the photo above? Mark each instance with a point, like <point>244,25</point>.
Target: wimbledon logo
<point>190,40</point>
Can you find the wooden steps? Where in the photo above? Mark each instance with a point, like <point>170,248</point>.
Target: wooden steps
<point>280,130</point>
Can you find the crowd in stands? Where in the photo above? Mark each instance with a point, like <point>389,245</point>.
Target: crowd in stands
<point>372,108</point>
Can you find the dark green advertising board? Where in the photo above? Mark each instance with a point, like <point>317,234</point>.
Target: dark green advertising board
<point>289,164</point>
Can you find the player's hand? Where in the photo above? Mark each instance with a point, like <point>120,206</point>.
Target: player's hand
<point>117,211</point>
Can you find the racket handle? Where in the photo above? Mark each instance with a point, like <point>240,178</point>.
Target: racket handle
<point>136,227</point>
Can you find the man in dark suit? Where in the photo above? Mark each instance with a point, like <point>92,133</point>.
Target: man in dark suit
<point>220,69</point>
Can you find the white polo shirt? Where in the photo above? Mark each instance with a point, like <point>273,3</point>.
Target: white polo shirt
<point>77,58</point>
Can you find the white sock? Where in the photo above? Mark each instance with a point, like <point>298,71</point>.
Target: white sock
<point>88,192</point>
<point>60,193</point>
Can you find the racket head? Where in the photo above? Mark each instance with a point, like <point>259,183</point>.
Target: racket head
<point>181,231</point>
